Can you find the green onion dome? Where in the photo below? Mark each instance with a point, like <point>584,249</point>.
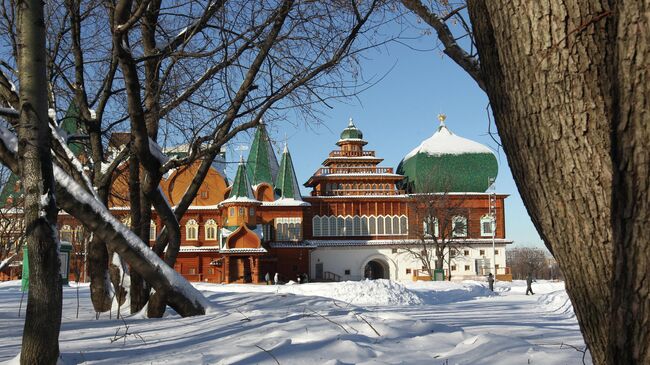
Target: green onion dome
<point>351,132</point>
<point>446,162</point>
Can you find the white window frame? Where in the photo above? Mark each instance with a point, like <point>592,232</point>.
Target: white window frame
<point>191,230</point>
<point>492,224</point>
<point>152,231</point>
<point>454,220</point>
<point>211,227</point>
<point>427,229</point>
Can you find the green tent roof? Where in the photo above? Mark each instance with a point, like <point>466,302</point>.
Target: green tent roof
<point>262,164</point>
<point>71,125</point>
<point>240,187</point>
<point>286,185</point>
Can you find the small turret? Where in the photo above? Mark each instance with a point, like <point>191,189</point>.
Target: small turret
<point>240,205</point>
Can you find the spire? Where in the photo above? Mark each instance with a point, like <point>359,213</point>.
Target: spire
<point>241,188</point>
<point>351,124</point>
<point>286,185</point>
<point>262,164</point>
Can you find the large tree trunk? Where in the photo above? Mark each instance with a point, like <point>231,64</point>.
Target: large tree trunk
<point>43,318</point>
<point>565,93</point>
<point>630,75</point>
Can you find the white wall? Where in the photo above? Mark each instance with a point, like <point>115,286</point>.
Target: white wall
<point>354,258</point>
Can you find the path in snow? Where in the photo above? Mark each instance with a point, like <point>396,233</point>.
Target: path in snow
<point>373,322</point>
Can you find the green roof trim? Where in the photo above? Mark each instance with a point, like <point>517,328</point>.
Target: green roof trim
<point>262,164</point>
<point>286,185</point>
<point>240,187</point>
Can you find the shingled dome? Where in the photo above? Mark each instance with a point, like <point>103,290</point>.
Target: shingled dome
<point>351,132</point>
<point>446,162</point>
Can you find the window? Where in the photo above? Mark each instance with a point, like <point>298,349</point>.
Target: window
<point>356,226</point>
<point>152,231</point>
<point>466,252</point>
<point>380,225</point>
<point>394,250</point>
<point>79,234</point>
<point>66,233</point>
<point>347,272</point>
<point>430,226</point>
<point>232,212</point>
<point>487,225</point>
<point>251,211</point>
<point>364,226</point>
<point>316,228</point>
<point>204,194</point>
<point>288,229</point>
<point>210,230</point>
<point>372,222</point>
<point>466,267</point>
<point>459,226</point>
<point>481,252</point>
<point>348,226</point>
<point>453,267</point>
<point>396,225</point>
<point>191,230</point>
<point>266,232</point>
<point>340,226</point>
<point>332,224</point>
<point>408,271</point>
<point>403,225</point>
<point>496,252</point>
<point>496,266</point>
<point>241,211</point>
<point>191,271</point>
<point>388,225</point>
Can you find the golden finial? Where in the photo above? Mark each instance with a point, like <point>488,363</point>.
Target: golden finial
<point>441,118</point>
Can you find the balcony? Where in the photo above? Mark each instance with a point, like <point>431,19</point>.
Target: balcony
<point>352,154</point>
<point>353,170</point>
<point>357,192</point>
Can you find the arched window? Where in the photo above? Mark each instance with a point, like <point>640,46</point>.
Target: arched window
<point>211,230</point>
<point>340,226</point>
<point>365,230</point>
<point>487,225</point>
<point>127,221</point>
<point>459,226</point>
<point>66,233</point>
<point>396,225</point>
<point>372,223</point>
<point>324,226</point>
<point>348,226</point>
<point>152,231</point>
<point>332,225</point>
<point>191,230</point>
<point>430,226</point>
<point>288,229</point>
<point>388,225</point>
<point>316,226</point>
<point>380,225</point>
<point>403,225</point>
<point>79,234</point>
<point>357,226</point>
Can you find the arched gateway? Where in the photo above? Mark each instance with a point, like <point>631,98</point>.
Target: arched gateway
<point>376,269</point>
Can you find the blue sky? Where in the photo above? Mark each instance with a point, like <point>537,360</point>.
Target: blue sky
<point>399,112</point>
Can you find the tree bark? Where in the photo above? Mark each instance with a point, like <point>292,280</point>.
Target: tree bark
<point>545,73</point>
<point>630,75</point>
<point>43,317</point>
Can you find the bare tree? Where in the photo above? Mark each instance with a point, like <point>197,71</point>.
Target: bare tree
<point>43,317</point>
<point>201,70</point>
<point>568,87</point>
<point>525,260</point>
<point>440,227</point>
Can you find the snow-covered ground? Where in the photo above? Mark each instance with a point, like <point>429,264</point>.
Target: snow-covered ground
<point>368,322</point>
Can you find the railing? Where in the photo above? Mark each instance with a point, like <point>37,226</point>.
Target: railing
<point>356,192</point>
<point>352,153</point>
<point>330,276</point>
<point>353,170</point>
